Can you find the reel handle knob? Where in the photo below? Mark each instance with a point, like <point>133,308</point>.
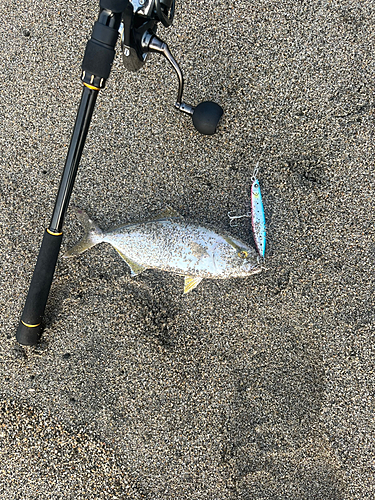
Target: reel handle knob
<point>206,117</point>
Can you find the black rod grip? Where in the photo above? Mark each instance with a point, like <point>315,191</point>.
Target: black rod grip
<point>100,49</point>
<point>30,326</point>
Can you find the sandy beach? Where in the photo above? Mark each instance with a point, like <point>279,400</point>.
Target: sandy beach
<point>258,388</point>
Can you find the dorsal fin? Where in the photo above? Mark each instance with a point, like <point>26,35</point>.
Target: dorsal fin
<point>167,213</point>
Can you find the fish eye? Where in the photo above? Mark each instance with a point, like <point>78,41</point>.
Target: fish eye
<point>242,254</point>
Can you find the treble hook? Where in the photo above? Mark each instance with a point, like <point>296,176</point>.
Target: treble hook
<point>233,217</point>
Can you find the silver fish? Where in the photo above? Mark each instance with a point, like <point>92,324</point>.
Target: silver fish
<point>172,244</point>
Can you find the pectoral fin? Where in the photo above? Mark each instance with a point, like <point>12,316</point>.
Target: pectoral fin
<point>191,282</point>
<point>134,267</point>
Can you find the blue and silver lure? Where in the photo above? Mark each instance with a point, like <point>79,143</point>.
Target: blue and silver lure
<point>258,220</point>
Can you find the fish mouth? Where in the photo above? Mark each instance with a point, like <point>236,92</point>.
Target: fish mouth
<point>249,267</point>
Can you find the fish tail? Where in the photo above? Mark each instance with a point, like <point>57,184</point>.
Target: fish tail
<point>93,235</point>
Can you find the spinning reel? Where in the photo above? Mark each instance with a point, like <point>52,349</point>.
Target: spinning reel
<point>138,38</point>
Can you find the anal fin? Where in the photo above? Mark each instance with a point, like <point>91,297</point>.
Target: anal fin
<point>191,282</point>
<point>134,267</point>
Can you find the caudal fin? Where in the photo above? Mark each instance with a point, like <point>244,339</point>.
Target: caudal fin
<point>93,234</point>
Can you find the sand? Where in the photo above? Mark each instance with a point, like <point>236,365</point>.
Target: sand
<point>256,388</point>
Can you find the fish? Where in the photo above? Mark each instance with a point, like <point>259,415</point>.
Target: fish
<point>173,244</point>
<point>258,221</point>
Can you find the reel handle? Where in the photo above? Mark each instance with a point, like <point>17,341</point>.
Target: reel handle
<point>206,115</point>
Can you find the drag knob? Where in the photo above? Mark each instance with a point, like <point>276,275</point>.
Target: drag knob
<point>206,117</point>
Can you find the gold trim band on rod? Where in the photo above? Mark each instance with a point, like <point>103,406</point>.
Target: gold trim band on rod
<point>30,326</point>
<point>90,86</point>
<point>53,234</point>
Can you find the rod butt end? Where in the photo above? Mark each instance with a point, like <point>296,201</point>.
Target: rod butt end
<point>28,334</point>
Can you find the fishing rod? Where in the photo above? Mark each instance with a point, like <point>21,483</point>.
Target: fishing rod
<point>136,23</point>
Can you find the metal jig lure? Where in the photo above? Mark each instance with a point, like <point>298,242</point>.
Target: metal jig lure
<point>258,221</point>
